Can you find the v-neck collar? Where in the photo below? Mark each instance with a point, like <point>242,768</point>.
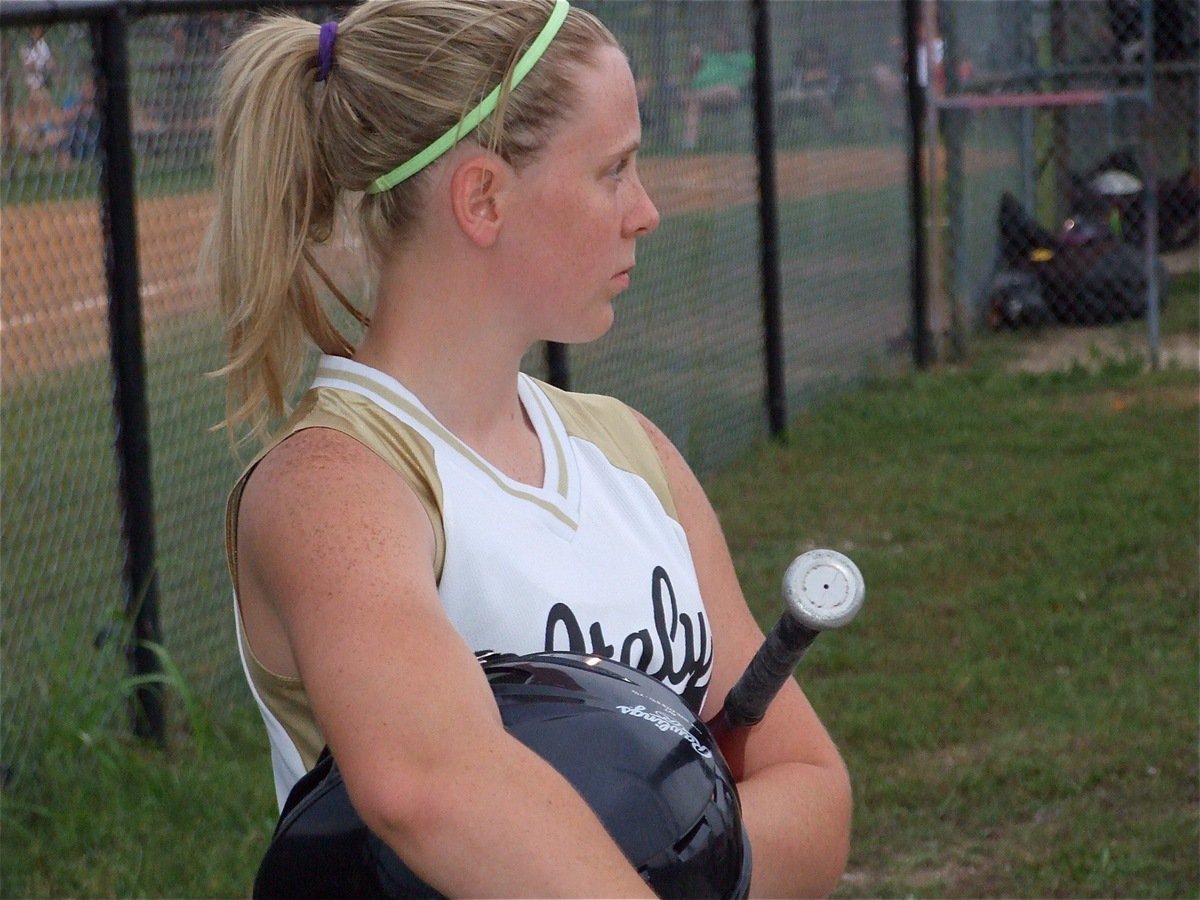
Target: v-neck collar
<point>558,494</point>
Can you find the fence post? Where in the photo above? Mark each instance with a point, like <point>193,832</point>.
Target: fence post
<point>119,222</point>
<point>1150,189</point>
<point>922,339</point>
<point>558,370</point>
<point>764,136</point>
<point>950,125</point>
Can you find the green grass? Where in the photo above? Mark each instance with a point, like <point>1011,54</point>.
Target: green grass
<point>106,817</point>
<point>63,557</point>
<point>687,344</point>
<point>39,180</point>
<point>1017,703</point>
<point>999,518</point>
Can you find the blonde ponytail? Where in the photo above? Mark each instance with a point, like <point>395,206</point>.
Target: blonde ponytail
<point>273,201</point>
<point>289,150</point>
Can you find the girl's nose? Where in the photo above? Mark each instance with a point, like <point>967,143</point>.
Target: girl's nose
<point>644,216</point>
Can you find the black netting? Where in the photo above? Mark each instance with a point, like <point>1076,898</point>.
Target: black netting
<point>1039,210</point>
<point>1092,129</point>
<point>61,595</point>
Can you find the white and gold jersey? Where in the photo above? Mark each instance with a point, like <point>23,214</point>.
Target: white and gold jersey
<point>593,560</point>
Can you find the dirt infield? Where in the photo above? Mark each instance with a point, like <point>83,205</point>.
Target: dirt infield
<point>694,183</point>
<point>53,306</point>
<point>53,295</point>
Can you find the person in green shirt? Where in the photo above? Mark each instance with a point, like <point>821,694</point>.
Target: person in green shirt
<point>719,78</point>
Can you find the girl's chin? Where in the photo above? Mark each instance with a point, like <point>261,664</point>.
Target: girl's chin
<point>599,324</point>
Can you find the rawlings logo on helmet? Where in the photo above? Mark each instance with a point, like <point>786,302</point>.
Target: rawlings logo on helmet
<point>666,723</point>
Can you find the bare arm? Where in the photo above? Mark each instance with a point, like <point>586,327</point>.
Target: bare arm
<point>336,586</point>
<point>796,791</point>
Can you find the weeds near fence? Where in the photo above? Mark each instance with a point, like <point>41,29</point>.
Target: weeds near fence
<point>100,815</point>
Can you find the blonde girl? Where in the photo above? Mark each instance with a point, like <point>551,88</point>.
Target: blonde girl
<point>425,499</point>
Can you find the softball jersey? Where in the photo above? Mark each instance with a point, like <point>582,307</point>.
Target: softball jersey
<point>593,560</point>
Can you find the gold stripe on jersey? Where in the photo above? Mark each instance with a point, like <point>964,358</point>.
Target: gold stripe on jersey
<point>436,427</point>
<point>559,453</point>
<point>615,430</point>
<point>288,702</point>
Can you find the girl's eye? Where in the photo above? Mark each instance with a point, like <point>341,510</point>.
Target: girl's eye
<point>619,169</point>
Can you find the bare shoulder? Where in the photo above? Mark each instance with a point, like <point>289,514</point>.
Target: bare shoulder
<point>337,589</point>
<point>310,457</point>
<point>657,437</point>
<point>670,456</point>
<point>690,500</point>
<point>322,487</point>
<point>323,518</point>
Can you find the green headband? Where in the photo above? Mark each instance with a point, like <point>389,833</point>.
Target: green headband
<point>485,108</point>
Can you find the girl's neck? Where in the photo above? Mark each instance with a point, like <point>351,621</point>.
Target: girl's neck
<point>444,327</point>
<point>459,364</point>
<point>477,402</point>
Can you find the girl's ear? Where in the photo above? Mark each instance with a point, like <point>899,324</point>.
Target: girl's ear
<point>476,190</point>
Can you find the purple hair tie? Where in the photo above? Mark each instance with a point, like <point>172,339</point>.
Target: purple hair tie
<point>325,50</point>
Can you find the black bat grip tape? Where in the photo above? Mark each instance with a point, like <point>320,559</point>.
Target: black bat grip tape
<point>768,671</point>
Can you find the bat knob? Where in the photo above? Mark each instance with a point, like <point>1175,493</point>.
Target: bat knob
<point>823,589</point>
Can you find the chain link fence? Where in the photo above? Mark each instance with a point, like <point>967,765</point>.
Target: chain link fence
<point>1094,111</point>
<point>689,347</point>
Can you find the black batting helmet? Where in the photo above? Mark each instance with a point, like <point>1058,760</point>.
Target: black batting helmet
<point>646,764</point>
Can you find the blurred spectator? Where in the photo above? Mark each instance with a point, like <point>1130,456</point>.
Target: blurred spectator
<point>889,78</point>
<point>812,84</point>
<point>73,131</point>
<point>194,41</point>
<point>197,39</point>
<point>38,66</point>
<point>79,125</point>
<point>718,78</point>
<point>931,54</point>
